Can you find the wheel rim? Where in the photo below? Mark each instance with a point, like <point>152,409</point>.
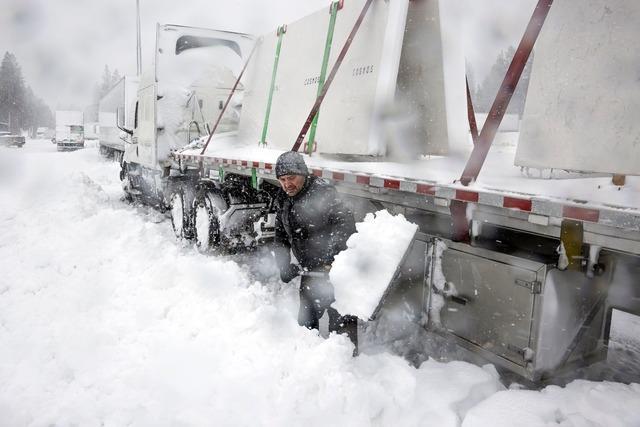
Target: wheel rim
<point>203,227</point>
<point>177,215</point>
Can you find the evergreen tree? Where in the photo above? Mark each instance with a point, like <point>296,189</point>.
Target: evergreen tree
<point>105,84</point>
<point>471,78</point>
<point>488,90</point>
<point>19,105</point>
<point>115,77</point>
<point>109,79</point>
<point>37,113</point>
<point>473,85</point>
<point>30,116</point>
<point>12,93</point>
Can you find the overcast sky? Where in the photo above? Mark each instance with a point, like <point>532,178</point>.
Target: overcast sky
<point>63,45</point>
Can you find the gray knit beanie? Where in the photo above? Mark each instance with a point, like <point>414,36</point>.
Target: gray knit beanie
<point>291,163</point>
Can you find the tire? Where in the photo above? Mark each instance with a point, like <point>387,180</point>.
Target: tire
<point>208,208</point>
<point>179,215</point>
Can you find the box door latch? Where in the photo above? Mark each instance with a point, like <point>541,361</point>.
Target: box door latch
<point>534,286</point>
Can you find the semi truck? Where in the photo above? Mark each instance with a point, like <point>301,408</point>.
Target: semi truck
<point>116,110</point>
<point>69,130</point>
<point>178,99</point>
<point>523,256</point>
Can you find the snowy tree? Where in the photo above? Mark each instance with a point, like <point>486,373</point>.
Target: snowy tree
<point>19,105</point>
<point>12,93</point>
<point>109,79</point>
<point>105,84</point>
<point>471,78</point>
<point>115,77</point>
<point>488,90</point>
<point>37,113</point>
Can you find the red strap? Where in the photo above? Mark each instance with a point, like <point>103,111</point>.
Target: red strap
<point>508,87</point>
<point>233,90</point>
<point>473,126</point>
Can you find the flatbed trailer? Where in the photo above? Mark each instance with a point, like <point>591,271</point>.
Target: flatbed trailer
<point>523,263</point>
<point>614,213</point>
<point>511,254</point>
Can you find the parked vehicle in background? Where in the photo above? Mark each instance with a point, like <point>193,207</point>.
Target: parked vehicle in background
<point>69,130</point>
<point>45,133</point>
<point>9,139</point>
<point>117,108</point>
<point>91,130</point>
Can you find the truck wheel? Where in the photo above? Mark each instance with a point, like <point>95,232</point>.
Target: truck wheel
<point>179,219</point>
<point>208,209</point>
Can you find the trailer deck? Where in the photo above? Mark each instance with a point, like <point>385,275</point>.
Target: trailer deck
<point>543,202</point>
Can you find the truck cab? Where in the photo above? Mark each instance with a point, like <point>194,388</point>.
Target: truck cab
<point>179,99</point>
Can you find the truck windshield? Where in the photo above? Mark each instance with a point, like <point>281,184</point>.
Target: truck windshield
<point>190,42</point>
<point>76,129</point>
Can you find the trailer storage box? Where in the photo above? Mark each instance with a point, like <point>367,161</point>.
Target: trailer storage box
<point>519,313</point>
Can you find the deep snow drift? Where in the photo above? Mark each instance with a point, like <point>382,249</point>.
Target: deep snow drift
<point>106,320</point>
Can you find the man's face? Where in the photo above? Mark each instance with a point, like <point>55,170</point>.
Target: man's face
<point>291,184</point>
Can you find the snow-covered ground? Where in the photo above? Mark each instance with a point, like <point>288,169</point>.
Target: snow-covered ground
<point>106,320</point>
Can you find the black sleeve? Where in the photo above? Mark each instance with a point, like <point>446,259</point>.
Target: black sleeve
<point>341,220</point>
<point>282,245</point>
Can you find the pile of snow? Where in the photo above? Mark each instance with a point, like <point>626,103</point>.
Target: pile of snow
<point>361,273</point>
<point>106,320</point>
<point>581,403</point>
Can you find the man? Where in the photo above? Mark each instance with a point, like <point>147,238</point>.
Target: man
<point>313,223</point>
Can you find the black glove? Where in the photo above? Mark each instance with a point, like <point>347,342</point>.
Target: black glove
<point>289,273</point>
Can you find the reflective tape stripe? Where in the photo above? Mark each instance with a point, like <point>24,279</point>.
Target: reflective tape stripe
<point>610,216</point>
<point>583,214</point>
<point>392,183</point>
<point>466,196</point>
<point>514,203</point>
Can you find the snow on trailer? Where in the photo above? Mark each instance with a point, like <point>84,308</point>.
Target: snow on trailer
<point>523,271</point>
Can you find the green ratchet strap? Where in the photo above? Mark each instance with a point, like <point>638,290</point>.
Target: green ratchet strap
<point>254,178</point>
<point>281,31</point>
<point>323,71</point>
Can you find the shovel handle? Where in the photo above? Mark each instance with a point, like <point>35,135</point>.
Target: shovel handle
<point>317,274</point>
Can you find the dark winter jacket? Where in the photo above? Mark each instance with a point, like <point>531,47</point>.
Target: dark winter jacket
<point>314,223</point>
